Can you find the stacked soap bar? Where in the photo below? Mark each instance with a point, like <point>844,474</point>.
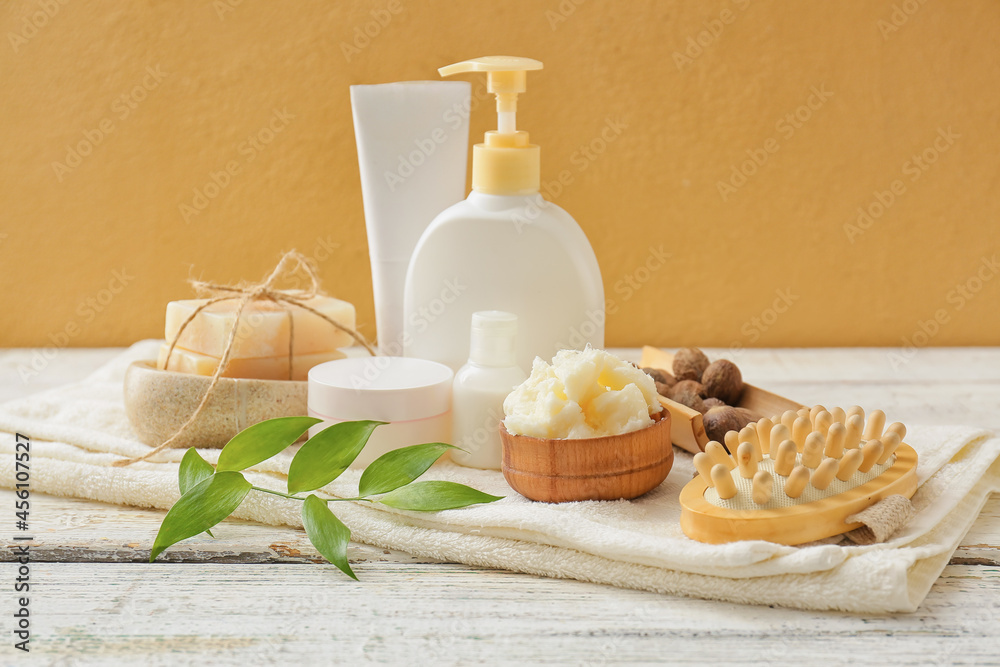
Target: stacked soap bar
<point>260,348</point>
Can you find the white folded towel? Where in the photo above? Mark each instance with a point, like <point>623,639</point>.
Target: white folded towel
<point>78,430</point>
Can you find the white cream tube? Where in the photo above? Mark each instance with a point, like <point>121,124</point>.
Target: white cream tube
<point>413,142</point>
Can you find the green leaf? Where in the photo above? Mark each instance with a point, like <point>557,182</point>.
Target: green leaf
<point>327,454</point>
<point>327,533</point>
<point>399,467</point>
<point>262,441</point>
<point>435,496</point>
<point>193,469</point>
<point>205,504</point>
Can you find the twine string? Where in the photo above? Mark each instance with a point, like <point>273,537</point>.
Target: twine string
<point>291,262</point>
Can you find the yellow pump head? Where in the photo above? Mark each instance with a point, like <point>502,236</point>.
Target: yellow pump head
<point>505,163</point>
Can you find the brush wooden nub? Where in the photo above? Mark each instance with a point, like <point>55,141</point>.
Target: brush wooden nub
<point>808,447</point>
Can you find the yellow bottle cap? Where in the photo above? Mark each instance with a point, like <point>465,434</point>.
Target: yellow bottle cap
<point>505,163</point>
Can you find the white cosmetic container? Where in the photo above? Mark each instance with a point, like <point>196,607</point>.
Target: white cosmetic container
<point>504,247</point>
<point>412,395</point>
<point>481,386</point>
<point>412,152</point>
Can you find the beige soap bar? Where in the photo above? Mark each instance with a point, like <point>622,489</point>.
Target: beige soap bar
<point>263,329</point>
<point>259,368</point>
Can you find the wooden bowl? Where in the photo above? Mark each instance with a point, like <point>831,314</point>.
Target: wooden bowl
<point>159,402</point>
<point>607,468</point>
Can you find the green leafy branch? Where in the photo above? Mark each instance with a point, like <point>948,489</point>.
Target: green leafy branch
<point>209,495</point>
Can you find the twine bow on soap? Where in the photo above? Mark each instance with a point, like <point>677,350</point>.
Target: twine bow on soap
<point>290,263</point>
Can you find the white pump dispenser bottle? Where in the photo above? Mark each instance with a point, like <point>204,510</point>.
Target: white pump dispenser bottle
<point>503,248</point>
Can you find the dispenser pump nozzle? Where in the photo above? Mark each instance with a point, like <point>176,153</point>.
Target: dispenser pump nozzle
<point>505,163</point>
<point>506,76</point>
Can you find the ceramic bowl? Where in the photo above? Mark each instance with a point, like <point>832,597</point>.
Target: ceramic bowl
<point>159,402</point>
<point>605,468</point>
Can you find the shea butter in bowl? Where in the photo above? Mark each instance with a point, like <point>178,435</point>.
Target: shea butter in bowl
<point>588,426</point>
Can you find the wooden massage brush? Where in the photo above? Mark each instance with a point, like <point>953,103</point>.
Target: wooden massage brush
<point>796,477</point>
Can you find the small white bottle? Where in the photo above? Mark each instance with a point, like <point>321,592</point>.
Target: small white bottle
<point>481,386</point>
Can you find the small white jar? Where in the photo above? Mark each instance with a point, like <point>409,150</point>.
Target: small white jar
<point>412,395</point>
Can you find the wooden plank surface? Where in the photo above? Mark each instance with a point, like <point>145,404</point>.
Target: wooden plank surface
<point>255,595</point>
<point>441,614</point>
<point>69,530</point>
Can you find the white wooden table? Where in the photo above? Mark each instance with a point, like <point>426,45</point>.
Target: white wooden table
<point>255,595</point>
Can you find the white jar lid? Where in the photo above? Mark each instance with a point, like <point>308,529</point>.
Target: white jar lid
<point>381,388</point>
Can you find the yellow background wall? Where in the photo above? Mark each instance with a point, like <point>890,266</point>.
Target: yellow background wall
<point>688,91</point>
